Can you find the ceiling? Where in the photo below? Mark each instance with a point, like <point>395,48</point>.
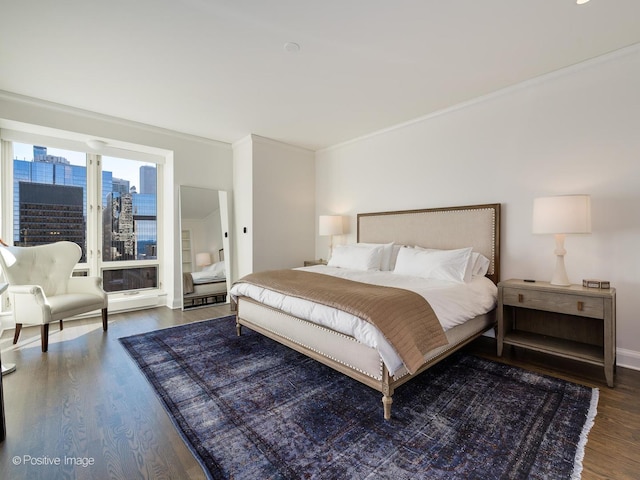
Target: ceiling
<point>218,69</point>
<point>197,203</point>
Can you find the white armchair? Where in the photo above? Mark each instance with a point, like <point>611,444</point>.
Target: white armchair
<point>42,289</point>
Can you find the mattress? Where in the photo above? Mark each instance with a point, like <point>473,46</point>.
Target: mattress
<point>453,303</point>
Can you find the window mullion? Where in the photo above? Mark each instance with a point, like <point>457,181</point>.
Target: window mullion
<point>94,187</point>
<point>6,190</point>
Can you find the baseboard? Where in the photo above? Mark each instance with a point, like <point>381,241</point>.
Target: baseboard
<point>628,358</point>
<point>136,302</point>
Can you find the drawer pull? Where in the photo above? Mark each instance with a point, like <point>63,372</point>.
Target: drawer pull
<point>520,298</point>
<point>580,306</point>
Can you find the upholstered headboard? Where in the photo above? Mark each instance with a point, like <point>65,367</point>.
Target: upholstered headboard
<point>476,226</point>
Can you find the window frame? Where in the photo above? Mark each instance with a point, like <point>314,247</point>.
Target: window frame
<point>94,264</point>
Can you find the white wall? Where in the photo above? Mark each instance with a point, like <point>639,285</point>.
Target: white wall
<point>206,234</point>
<point>575,131</point>
<point>284,204</point>
<point>213,234</point>
<point>242,244</point>
<point>274,199</point>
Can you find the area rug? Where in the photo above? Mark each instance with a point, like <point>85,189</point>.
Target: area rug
<point>250,408</point>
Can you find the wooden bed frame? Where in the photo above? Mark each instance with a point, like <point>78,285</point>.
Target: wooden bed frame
<point>476,226</point>
<point>205,294</point>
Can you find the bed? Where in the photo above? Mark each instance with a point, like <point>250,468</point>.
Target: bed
<point>206,287</point>
<point>347,349</point>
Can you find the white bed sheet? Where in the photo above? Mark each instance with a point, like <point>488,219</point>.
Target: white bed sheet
<point>206,277</point>
<point>453,304</point>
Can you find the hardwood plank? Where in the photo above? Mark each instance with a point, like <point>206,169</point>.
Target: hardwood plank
<point>85,398</point>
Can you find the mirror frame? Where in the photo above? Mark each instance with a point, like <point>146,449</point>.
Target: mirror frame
<point>224,214</point>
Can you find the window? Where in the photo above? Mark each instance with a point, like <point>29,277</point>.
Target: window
<point>106,205</point>
<point>129,223</point>
<point>49,196</point>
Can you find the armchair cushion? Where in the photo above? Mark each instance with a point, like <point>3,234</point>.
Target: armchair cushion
<point>70,304</point>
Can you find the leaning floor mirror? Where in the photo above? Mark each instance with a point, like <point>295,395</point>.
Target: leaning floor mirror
<point>204,226</point>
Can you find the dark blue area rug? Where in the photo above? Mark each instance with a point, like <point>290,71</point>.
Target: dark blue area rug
<point>250,408</point>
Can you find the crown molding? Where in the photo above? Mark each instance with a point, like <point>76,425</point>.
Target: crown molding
<point>257,139</point>
<point>58,107</point>
<point>601,59</point>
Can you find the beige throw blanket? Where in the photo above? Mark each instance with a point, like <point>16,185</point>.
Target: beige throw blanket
<point>405,318</point>
<point>187,283</point>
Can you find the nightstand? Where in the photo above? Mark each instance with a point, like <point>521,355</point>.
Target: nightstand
<point>572,322</point>
<point>311,263</point>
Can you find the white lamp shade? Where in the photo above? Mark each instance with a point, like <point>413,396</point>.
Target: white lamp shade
<point>203,259</point>
<point>562,214</point>
<point>330,225</point>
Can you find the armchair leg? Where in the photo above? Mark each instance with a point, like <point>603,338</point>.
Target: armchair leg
<point>105,325</point>
<point>60,324</point>
<point>44,332</point>
<point>17,333</point>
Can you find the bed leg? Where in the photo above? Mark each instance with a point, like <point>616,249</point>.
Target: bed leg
<point>238,328</point>
<point>386,403</point>
<point>387,392</point>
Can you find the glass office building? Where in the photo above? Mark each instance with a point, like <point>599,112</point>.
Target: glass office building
<point>28,174</point>
<point>129,219</point>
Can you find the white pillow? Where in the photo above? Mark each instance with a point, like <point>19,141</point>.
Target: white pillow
<point>216,269</point>
<point>480,264</point>
<point>468,271</point>
<point>356,257</point>
<point>387,250</point>
<point>450,265</point>
<point>394,256</point>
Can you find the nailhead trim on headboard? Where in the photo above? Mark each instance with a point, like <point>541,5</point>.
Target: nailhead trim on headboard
<point>476,226</point>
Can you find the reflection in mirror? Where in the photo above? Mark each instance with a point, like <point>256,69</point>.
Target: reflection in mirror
<point>204,246</point>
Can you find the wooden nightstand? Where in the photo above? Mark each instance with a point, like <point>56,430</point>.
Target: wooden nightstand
<point>311,263</point>
<point>572,322</point>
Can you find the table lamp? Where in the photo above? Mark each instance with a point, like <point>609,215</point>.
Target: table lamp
<point>203,259</point>
<point>561,215</point>
<point>330,225</point>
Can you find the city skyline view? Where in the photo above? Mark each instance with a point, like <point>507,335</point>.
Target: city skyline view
<point>129,172</point>
<point>51,201</point>
<point>63,167</point>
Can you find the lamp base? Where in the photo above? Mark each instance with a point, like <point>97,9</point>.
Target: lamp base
<point>330,247</point>
<point>560,274</point>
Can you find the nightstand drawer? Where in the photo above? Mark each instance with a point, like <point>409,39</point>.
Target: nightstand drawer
<point>580,305</point>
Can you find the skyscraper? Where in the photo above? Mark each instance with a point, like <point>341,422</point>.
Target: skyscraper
<point>148,179</point>
<point>120,185</point>
<point>39,153</point>
<point>50,213</point>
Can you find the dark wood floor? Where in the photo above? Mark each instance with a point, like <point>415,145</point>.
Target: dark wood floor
<point>85,401</point>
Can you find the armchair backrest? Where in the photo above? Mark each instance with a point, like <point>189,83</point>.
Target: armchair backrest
<point>48,266</point>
